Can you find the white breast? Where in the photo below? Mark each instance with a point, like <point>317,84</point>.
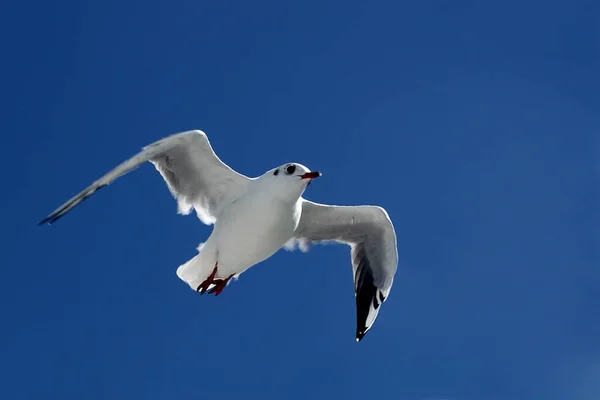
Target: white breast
<point>252,230</point>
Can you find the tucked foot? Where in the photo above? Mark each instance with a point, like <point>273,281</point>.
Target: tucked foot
<point>203,287</point>
<point>219,285</point>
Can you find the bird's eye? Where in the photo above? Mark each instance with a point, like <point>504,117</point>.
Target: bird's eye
<point>276,172</point>
<point>290,169</point>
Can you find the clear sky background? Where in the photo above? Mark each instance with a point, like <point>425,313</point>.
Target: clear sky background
<point>475,124</point>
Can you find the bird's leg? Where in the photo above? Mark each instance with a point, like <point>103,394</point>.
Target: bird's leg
<point>220,285</point>
<point>203,287</point>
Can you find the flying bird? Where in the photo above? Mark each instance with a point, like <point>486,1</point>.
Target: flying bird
<point>255,217</point>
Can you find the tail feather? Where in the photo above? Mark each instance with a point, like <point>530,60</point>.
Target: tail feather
<point>196,270</point>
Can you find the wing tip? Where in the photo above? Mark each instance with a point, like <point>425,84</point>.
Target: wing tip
<point>360,334</point>
<point>50,219</point>
<point>43,222</point>
<point>69,205</point>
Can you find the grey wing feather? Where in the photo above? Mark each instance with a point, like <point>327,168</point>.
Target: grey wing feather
<point>370,233</point>
<point>194,174</point>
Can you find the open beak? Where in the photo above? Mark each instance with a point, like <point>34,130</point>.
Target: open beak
<point>310,175</point>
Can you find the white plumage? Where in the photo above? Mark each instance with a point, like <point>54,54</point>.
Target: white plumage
<point>255,217</point>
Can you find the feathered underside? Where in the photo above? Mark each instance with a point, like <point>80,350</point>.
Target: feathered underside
<point>370,234</point>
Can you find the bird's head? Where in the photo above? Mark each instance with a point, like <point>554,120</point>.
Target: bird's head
<point>289,181</point>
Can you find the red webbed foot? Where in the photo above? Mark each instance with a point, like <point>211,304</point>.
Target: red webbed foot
<point>203,287</point>
<point>219,285</point>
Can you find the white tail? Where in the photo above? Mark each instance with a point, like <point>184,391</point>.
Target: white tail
<point>196,270</point>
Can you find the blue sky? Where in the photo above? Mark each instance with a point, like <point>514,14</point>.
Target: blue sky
<point>475,124</point>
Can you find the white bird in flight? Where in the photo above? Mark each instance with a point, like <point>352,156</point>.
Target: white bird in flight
<point>254,217</point>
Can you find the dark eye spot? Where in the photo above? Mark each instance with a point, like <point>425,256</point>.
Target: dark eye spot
<point>290,169</point>
<point>276,172</point>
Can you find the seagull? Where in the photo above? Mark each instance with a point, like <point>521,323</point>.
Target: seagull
<point>255,217</point>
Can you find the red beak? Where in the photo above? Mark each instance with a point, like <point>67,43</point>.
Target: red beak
<point>310,175</point>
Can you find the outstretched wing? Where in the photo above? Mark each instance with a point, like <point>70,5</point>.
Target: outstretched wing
<point>196,177</point>
<point>370,233</point>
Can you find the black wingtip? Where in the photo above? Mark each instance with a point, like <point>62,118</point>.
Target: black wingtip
<point>365,291</point>
<point>50,219</point>
<point>360,335</point>
<point>46,220</point>
<point>68,206</point>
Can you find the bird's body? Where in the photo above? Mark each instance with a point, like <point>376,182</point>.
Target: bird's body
<point>249,231</point>
<point>254,217</point>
